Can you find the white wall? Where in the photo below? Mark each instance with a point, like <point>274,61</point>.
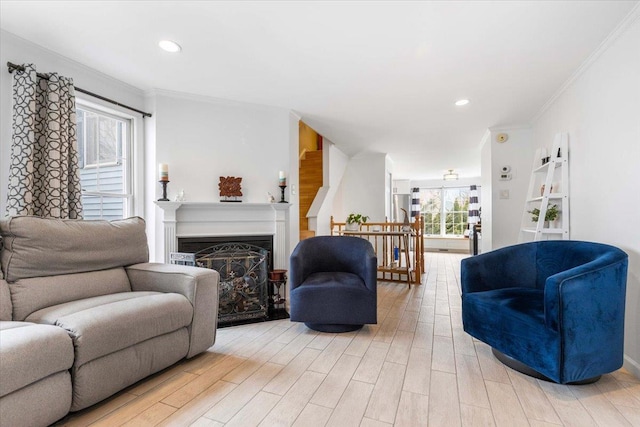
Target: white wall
<point>486,189</point>
<point>294,180</point>
<point>388,187</point>
<point>363,188</point>
<point>19,51</point>
<point>600,109</point>
<point>202,139</point>
<point>334,165</point>
<point>506,215</point>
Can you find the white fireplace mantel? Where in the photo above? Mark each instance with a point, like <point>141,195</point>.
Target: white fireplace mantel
<point>214,219</point>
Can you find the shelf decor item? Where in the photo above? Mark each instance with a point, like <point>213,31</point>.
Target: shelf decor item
<point>354,221</point>
<point>282,183</point>
<point>230,189</point>
<point>551,214</point>
<point>163,176</point>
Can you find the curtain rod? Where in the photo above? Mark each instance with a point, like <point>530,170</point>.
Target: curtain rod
<point>12,67</point>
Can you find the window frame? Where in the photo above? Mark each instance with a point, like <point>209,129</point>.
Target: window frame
<point>443,211</point>
<point>133,196</point>
<point>119,149</point>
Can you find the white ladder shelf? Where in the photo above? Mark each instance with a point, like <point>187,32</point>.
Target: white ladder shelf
<point>548,186</point>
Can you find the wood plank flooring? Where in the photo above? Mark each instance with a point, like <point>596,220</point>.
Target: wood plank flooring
<point>416,367</point>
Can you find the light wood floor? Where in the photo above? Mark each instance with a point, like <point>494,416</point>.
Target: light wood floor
<point>415,368</point>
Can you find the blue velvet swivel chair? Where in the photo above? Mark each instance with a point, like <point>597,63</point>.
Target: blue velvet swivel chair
<point>333,283</point>
<point>550,309</point>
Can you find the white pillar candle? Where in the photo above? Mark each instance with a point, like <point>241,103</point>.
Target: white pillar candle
<point>282,179</point>
<point>163,172</point>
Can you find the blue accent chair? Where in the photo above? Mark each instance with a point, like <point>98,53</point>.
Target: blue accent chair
<point>333,283</point>
<point>556,307</point>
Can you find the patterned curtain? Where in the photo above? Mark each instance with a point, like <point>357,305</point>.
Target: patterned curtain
<point>44,177</point>
<point>415,202</point>
<point>474,206</point>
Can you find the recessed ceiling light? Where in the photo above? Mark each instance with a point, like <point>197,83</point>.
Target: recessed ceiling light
<point>462,102</point>
<point>169,46</point>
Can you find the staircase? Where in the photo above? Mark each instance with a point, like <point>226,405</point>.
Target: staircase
<point>311,179</point>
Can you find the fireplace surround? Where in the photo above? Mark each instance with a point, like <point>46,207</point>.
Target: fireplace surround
<point>260,229</point>
<point>213,219</point>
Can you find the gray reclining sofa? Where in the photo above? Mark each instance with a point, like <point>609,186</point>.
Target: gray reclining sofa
<point>84,315</point>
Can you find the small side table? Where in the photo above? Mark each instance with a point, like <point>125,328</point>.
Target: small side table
<point>278,295</point>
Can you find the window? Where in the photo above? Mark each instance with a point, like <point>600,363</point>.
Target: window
<point>104,147</point>
<point>445,211</point>
<point>431,201</point>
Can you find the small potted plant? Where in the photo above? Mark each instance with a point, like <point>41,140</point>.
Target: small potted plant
<point>551,215</point>
<point>354,221</point>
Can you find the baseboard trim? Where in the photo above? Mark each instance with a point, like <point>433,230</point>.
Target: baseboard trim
<point>631,366</point>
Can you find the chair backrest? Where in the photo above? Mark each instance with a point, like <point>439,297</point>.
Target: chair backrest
<point>555,256</point>
<point>332,253</point>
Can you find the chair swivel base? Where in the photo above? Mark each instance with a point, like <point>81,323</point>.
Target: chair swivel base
<point>328,327</point>
<point>516,365</point>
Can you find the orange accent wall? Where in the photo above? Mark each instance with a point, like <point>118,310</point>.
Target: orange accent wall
<point>308,138</point>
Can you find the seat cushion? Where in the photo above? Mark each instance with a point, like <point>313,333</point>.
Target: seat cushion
<point>108,323</point>
<point>511,320</point>
<point>333,279</point>
<point>333,298</point>
<point>29,353</point>
<point>38,404</point>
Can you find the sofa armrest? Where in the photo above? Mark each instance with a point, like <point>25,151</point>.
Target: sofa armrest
<point>198,285</point>
<point>296,270</point>
<point>370,270</point>
<point>509,267</point>
<point>575,297</point>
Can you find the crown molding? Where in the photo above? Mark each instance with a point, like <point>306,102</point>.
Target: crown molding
<point>622,27</point>
<point>524,126</point>
<point>207,99</point>
<point>486,137</point>
<point>295,115</point>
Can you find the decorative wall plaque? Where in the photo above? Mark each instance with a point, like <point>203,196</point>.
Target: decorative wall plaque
<point>230,189</point>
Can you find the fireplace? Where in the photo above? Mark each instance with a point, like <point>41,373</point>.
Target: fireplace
<point>191,227</point>
<point>244,263</point>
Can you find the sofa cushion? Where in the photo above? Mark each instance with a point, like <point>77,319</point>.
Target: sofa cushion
<point>35,247</point>
<point>100,378</point>
<point>108,323</point>
<point>30,295</point>
<point>335,279</point>
<point>30,352</point>
<point>40,404</point>
<point>6,308</point>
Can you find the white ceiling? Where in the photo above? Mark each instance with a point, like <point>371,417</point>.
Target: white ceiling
<point>370,76</point>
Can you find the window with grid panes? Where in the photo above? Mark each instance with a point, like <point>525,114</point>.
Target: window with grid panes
<point>104,146</point>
